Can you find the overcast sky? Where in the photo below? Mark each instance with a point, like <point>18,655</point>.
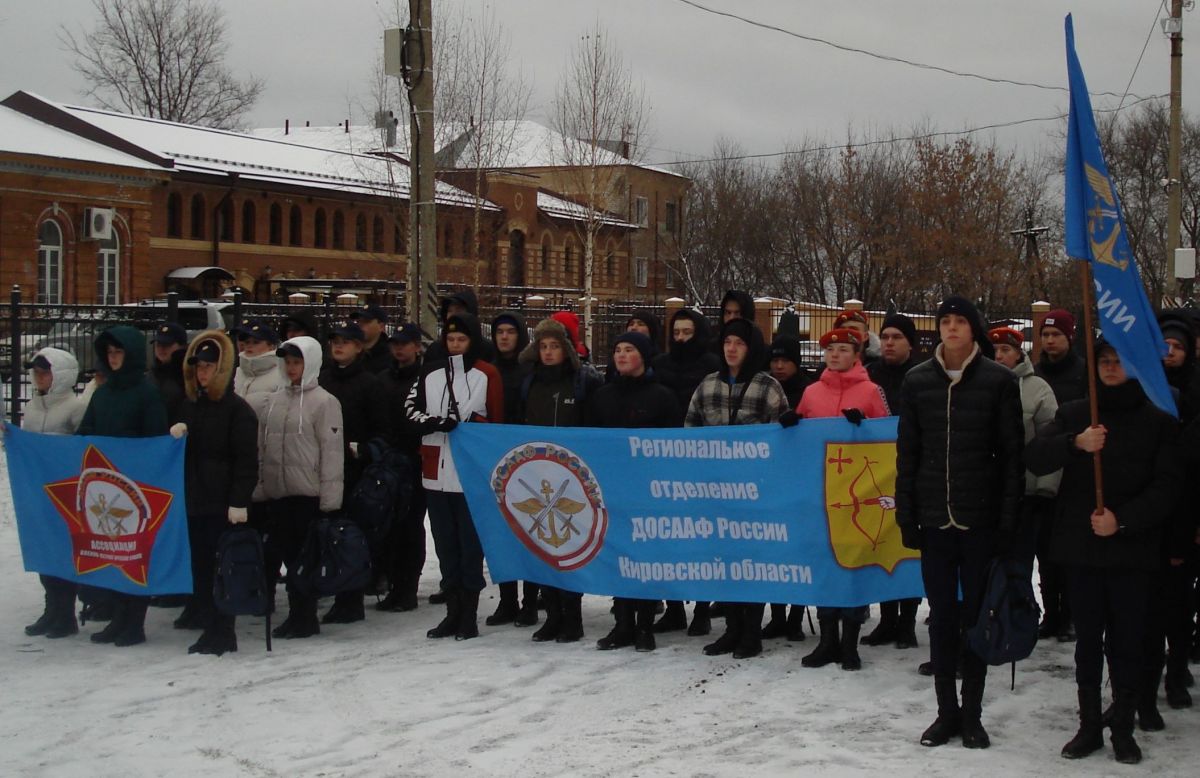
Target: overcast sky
<point>705,76</point>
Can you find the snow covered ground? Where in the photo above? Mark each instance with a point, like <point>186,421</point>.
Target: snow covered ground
<point>378,698</point>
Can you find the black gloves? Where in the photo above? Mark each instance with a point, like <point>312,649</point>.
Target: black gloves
<point>446,423</point>
<point>911,537</point>
<point>789,418</point>
<point>854,416</point>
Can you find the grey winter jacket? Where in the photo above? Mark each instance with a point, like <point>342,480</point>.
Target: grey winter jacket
<point>300,437</point>
<point>58,411</point>
<point>1038,407</point>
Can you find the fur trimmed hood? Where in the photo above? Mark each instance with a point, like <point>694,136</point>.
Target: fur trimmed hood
<point>222,380</point>
<point>550,328</point>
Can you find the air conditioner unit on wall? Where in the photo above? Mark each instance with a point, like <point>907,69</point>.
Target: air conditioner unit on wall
<point>97,223</point>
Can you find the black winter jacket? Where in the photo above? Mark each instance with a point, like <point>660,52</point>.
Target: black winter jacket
<point>397,383</point>
<point>889,378</point>
<point>169,380</point>
<point>365,411</point>
<point>512,371</point>
<point>1140,467</point>
<point>640,402</point>
<point>1067,377</point>
<point>686,364</point>
<point>958,450</point>
<point>378,358</point>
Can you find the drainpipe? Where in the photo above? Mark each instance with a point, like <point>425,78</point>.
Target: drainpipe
<point>216,217</point>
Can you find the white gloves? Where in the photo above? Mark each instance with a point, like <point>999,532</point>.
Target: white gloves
<point>238,515</point>
<point>178,430</point>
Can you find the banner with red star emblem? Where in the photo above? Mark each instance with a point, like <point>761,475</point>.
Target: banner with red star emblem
<point>106,512</point>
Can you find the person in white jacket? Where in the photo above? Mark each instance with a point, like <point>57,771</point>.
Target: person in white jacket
<point>258,365</point>
<point>300,440</point>
<point>463,387</point>
<point>55,409</point>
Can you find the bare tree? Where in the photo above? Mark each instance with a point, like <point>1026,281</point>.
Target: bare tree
<point>164,59</point>
<point>597,107</point>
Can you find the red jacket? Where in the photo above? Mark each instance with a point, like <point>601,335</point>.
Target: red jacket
<point>835,392</point>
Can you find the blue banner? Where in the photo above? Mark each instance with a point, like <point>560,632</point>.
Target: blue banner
<point>1095,231</point>
<point>106,512</point>
<point>753,513</point>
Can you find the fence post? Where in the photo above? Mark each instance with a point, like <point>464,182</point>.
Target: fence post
<point>237,308</point>
<point>173,307</point>
<point>764,317</point>
<point>16,357</point>
<point>1039,309</point>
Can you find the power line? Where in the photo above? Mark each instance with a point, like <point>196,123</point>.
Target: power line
<point>887,141</point>
<point>888,57</point>
<point>1146,45</point>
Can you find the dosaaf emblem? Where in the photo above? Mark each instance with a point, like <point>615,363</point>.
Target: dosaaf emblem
<point>860,505</point>
<point>552,502</point>
<point>112,519</point>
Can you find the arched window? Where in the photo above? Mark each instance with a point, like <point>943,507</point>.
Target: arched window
<point>49,269</point>
<point>275,229</point>
<point>319,239</point>
<point>174,215</point>
<point>108,271</point>
<point>545,253</point>
<point>248,221</point>
<point>199,215</point>
<point>225,220</point>
<point>377,235</point>
<point>360,232</point>
<point>295,226</point>
<point>339,230</point>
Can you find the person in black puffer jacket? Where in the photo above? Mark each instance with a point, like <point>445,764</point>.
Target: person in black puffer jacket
<point>170,343</point>
<point>1180,364</point>
<point>220,473</point>
<point>1110,555</point>
<point>463,301</point>
<point>555,394</point>
<point>365,415</point>
<point>689,357</point>
<point>634,399</point>
<point>404,554</point>
<point>959,483</point>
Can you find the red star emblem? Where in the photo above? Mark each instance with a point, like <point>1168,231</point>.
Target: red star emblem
<point>112,519</point>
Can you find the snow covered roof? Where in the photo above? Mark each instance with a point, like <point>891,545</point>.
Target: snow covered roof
<point>359,140</point>
<point>21,134</point>
<point>221,152</point>
<point>565,209</point>
<point>535,145</point>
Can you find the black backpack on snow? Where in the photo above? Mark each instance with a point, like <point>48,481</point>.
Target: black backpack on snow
<point>385,482</point>
<point>335,558</point>
<point>1007,628</point>
<point>239,580</point>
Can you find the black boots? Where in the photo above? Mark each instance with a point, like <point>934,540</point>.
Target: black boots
<point>795,624</point>
<point>1090,737</point>
<point>948,723</point>
<point>397,601</point>
<point>885,631</point>
<point>190,617</point>
<point>448,626</point>
<point>572,617</point>
<point>58,618</point>
<point>506,610</point>
<point>347,608</point>
<point>301,621</point>
<point>527,616</point>
<point>777,627</point>
<point>973,733</point>
<point>733,630</point>
<point>218,637</point>
<point>829,649</point>
<point>701,620</point>
<point>850,658</point>
<point>906,624</point>
<point>643,626</point>
<point>674,619</point>
<point>127,627</point>
<point>551,629</point>
<point>622,633</point>
<point>468,616</point>
<point>1125,748</point>
<point>750,640</point>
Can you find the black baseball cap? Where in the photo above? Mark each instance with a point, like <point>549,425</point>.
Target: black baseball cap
<point>169,333</point>
<point>370,312</point>
<point>350,331</point>
<point>406,333</point>
<point>259,329</point>
<point>208,351</point>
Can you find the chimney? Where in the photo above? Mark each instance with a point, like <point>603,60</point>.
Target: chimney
<point>347,125</point>
<point>286,126</point>
<point>306,122</point>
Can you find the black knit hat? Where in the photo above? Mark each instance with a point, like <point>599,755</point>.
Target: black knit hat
<point>965,308</point>
<point>786,347</point>
<point>902,323</point>
<point>640,342</point>
<point>742,328</point>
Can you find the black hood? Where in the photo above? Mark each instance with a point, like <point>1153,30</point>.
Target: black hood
<point>652,321</point>
<point>306,320</point>
<point>470,325</point>
<point>744,301</point>
<point>522,331</point>
<point>466,298</point>
<point>1180,325</point>
<point>699,344</point>
<point>757,356</point>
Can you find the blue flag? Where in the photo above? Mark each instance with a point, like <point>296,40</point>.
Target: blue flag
<point>107,512</point>
<point>1095,231</point>
<point>753,513</point>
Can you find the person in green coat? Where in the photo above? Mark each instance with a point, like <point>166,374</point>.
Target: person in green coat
<point>126,405</point>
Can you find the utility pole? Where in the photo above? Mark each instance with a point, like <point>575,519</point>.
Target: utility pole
<point>1173,26</point>
<point>422,246</point>
<point>1032,256</point>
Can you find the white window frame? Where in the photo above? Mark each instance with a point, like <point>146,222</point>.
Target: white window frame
<point>50,267</point>
<point>643,272</point>
<point>669,276</point>
<point>108,271</point>
<point>641,211</point>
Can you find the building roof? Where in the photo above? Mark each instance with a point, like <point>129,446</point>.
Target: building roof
<point>359,140</point>
<point>190,148</point>
<point>557,207</point>
<point>21,134</point>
